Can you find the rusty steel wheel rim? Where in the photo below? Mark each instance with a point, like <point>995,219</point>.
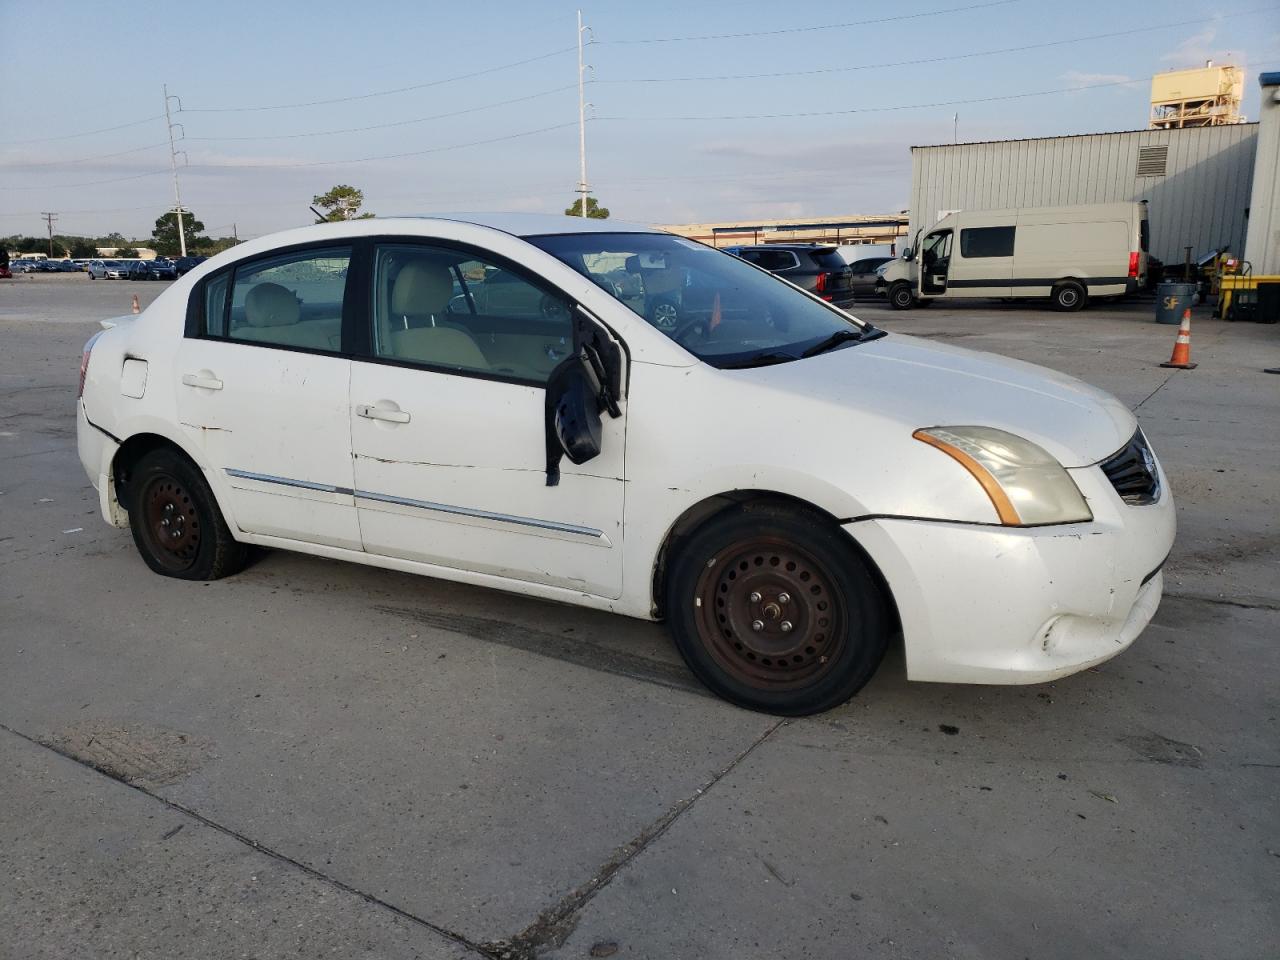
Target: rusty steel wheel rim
<point>171,522</point>
<point>769,615</point>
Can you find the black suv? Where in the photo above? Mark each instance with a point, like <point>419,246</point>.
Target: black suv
<point>815,267</point>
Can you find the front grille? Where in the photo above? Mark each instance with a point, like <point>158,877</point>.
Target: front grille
<point>1132,471</point>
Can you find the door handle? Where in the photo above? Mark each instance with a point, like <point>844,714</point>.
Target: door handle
<point>197,380</point>
<point>370,412</point>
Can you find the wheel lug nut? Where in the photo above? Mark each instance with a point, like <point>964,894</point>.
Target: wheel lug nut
<point>785,626</point>
<point>784,598</point>
<point>757,625</point>
<point>755,596</point>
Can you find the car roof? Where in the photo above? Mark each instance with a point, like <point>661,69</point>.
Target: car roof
<point>535,224</point>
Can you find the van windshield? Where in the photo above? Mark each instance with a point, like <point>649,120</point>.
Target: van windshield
<point>720,308</point>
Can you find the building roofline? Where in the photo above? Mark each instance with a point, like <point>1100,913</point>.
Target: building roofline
<point>1099,133</point>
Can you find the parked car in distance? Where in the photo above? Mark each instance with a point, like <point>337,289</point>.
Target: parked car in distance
<point>97,269</point>
<point>119,269</point>
<point>797,486</point>
<point>815,267</point>
<point>186,264</point>
<point>66,266</point>
<point>863,275</point>
<point>22,266</point>
<point>153,270</point>
<point>1065,254</point>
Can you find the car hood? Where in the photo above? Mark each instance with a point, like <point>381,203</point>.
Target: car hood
<point>923,384</point>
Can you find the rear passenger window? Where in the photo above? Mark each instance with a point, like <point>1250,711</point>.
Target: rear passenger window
<point>986,242</point>
<point>294,300</point>
<point>444,308</point>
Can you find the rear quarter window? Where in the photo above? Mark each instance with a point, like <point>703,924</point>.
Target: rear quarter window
<point>828,259</point>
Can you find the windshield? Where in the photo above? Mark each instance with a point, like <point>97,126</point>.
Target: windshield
<point>720,308</point>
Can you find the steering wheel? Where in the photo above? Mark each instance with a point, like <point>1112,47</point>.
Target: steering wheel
<point>686,328</point>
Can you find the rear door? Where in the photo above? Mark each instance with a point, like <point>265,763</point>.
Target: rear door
<point>447,421</point>
<point>262,389</point>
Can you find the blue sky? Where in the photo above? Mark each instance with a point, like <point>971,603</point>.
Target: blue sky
<point>68,68</point>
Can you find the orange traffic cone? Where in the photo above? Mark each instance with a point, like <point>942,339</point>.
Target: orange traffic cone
<point>1181,358</point>
<point>136,307</point>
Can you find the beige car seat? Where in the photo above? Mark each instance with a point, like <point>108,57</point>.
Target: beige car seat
<point>272,314</point>
<point>419,299</point>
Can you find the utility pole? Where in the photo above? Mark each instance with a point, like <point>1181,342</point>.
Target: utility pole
<point>583,189</point>
<point>48,219</point>
<point>235,234</point>
<point>173,166</point>
<point>955,128</point>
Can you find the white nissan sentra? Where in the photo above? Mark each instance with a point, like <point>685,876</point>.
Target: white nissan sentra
<point>619,418</point>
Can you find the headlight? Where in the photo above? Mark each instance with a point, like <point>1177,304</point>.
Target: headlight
<point>1026,485</point>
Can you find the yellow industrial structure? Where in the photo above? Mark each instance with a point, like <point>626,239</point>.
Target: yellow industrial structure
<point>1207,96</point>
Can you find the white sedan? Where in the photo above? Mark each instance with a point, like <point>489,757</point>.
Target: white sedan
<point>482,399</point>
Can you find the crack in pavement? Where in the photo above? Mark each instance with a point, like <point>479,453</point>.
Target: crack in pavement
<point>253,844</point>
<point>554,925</point>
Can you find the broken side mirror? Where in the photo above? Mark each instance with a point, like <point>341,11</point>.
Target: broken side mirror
<point>590,381</point>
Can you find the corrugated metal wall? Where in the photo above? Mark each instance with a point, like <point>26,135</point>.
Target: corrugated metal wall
<point>1200,201</point>
<point>1263,243</point>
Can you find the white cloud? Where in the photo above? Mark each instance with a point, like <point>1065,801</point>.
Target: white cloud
<point>1075,78</point>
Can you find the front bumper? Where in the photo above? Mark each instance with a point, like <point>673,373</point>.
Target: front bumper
<point>990,604</point>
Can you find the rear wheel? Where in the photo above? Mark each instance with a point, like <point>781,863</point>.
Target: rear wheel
<point>901,297</point>
<point>176,523</point>
<point>1067,296</point>
<point>774,609</point>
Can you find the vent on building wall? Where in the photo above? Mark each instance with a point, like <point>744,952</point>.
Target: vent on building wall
<point>1152,161</point>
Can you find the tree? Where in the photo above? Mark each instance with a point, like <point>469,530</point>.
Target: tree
<point>165,235</point>
<point>341,203</point>
<point>82,248</point>
<point>127,253</point>
<point>594,210</point>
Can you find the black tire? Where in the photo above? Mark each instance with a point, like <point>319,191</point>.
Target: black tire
<point>1068,296</point>
<point>775,609</point>
<point>175,520</point>
<point>901,297</point>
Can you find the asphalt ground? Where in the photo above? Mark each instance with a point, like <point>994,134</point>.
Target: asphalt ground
<point>321,759</point>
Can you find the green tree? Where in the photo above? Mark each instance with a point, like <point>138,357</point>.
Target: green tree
<point>82,248</point>
<point>165,235</point>
<point>342,202</point>
<point>594,210</point>
<point>127,253</point>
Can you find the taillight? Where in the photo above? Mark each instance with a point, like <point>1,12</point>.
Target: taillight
<point>1133,264</point>
<point>84,361</point>
<point>823,280</point>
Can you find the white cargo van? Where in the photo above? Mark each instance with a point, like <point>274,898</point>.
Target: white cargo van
<point>1067,254</point>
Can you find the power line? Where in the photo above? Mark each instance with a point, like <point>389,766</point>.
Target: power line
<point>890,109</point>
<point>99,156</point>
<point>927,60</point>
<point>382,93</point>
<point>823,26</point>
<point>385,126</point>
<point>83,133</point>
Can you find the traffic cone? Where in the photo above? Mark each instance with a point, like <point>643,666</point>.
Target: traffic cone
<point>136,307</point>
<point>1181,358</point>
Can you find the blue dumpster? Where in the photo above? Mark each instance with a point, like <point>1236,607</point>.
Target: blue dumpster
<point>1172,299</point>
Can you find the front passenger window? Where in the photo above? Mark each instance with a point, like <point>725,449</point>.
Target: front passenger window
<point>442,308</point>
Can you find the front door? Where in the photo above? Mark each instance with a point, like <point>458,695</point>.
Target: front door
<point>935,263</point>
<point>447,427</point>
<point>262,390</point>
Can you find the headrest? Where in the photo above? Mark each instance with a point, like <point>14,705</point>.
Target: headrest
<point>422,286</point>
<point>271,305</point>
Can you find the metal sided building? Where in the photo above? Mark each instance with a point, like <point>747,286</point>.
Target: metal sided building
<point>1196,181</point>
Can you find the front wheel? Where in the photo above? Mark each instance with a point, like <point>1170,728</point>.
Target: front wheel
<point>176,523</point>
<point>901,297</point>
<point>776,610</point>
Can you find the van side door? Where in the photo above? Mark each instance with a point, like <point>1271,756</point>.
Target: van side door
<point>982,262</point>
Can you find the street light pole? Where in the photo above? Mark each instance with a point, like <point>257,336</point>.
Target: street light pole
<point>583,189</point>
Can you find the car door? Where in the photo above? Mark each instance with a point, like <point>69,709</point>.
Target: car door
<point>982,263</point>
<point>448,425</point>
<point>263,390</point>
<point>935,263</point>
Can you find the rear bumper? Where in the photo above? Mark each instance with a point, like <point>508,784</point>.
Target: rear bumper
<point>989,604</point>
<point>97,451</point>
